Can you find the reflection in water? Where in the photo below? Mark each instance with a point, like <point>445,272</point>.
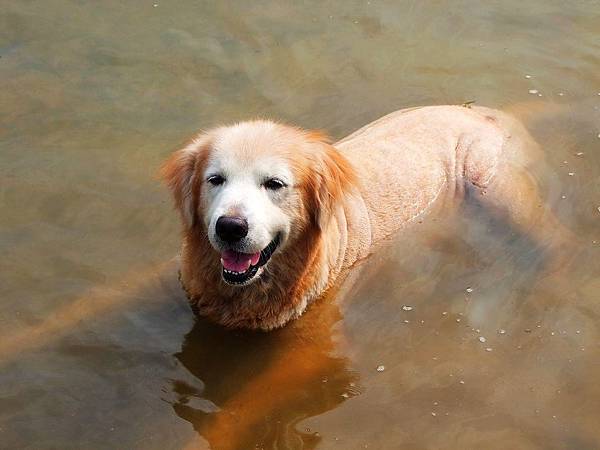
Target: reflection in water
<point>96,94</point>
<point>287,376</point>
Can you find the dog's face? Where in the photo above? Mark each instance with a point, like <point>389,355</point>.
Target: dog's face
<point>254,188</point>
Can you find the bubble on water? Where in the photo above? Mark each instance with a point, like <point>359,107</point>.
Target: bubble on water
<point>571,174</point>
<point>458,320</point>
<point>406,321</point>
<point>482,339</point>
<point>407,308</point>
<point>533,91</point>
<point>433,414</point>
<point>501,331</point>
<point>445,313</point>
<point>469,289</point>
<point>488,349</point>
<point>380,368</point>
<point>552,333</point>
<point>539,95</point>
<point>461,382</point>
<point>579,154</point>
<point>561,94</point>
<point>527,330</point>
<point>346,395</point>
<point>578,331</point>
<point>528,76</point>
<point>563,196</point>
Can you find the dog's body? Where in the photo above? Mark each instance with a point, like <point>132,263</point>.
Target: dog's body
<point>306,211</point>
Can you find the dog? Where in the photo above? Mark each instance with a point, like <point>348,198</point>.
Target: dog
<point>274,216</point>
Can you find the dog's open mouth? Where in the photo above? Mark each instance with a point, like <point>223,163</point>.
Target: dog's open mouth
<point>239,268</point>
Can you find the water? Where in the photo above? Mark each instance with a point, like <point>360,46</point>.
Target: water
<point>97,346</point>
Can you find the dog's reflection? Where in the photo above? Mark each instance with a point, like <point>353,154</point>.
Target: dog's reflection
<point>258,386</point>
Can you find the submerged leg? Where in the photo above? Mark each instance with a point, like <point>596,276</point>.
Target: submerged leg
<point>513,196</point>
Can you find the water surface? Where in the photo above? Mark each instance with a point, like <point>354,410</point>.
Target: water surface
<point>97,346</point>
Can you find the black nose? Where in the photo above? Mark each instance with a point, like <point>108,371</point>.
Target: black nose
<point>231,229</point>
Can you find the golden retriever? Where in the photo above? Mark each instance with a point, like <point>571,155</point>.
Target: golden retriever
<point>274,215</point>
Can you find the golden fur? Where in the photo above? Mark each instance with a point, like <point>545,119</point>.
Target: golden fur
<point>348,196</point>
<point>325,177</point>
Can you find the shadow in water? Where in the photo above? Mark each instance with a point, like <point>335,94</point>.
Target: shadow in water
<point>286,376</point>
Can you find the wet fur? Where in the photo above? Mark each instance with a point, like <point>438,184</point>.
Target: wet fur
<point>409,162</point>
<point>294,276</point>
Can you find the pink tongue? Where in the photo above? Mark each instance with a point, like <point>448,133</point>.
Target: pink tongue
<point>238,262</point>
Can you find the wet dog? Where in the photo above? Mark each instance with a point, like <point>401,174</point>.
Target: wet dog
<point>273,215</point>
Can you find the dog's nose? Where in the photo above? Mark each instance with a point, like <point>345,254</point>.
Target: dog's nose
<point>231,229</point>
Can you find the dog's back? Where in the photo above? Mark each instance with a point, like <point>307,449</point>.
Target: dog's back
<point>412,159</point>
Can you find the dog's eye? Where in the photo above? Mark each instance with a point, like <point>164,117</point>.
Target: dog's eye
<point>274,184</point>
<point>215,180</point>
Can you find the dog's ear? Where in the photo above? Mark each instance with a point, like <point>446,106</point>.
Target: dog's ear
<point>331,178</point>
<point>181,173</point>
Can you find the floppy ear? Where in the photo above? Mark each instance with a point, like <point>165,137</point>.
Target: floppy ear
<point>331,178</point>
<point>180,173</point>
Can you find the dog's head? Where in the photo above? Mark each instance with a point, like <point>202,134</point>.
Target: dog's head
<point>255,189</point>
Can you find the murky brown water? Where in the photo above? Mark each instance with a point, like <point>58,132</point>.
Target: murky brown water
<point>97,346</point>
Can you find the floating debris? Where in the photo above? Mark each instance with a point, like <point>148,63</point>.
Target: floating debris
<point>380,368</point>
<point>346,395</point>
<point>469,289</point>
<point>482,339</point>
<point>407,308</point>
<point>571,174</point>
<point>433,414</point>
<point>579,154</point>
<point>533,91</point>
